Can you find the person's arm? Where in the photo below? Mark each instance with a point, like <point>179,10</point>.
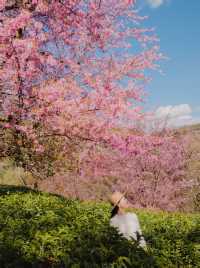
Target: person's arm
<point>140,237</point>
<point>142,242</point>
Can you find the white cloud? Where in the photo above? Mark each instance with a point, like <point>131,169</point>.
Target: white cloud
<point>176,111</point>
<point>155,3</point>
<point>172,116</point>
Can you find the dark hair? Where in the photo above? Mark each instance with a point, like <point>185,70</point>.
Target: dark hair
<point>114,211</point>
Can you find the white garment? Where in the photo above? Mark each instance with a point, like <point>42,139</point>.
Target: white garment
<point>128,225</point>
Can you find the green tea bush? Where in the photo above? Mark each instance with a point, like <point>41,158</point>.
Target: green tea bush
<point>174,239</point>
<point>43,230</point>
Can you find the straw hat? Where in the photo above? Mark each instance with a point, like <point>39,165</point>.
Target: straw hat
<point>118,199</point>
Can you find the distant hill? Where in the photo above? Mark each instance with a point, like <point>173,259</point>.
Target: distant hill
<point>193,164</point>
<point>195,129</point>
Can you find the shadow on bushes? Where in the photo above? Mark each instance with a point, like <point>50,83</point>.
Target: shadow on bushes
<point>10,189</point>
<point>108,249</point>
<point>194,234</point>
<point>14,189</point>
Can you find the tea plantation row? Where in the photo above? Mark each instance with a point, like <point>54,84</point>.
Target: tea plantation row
<point>42,230</point>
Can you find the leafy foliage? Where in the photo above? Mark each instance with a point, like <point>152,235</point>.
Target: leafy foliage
<point>42,230</point>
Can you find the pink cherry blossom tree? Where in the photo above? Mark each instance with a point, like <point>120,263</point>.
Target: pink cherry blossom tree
<point>70,69</point>
<point>71,72</point>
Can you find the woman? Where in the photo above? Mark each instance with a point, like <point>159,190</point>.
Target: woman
<point>126,223</point>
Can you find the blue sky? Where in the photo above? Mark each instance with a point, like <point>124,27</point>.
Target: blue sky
<point>177,92</point>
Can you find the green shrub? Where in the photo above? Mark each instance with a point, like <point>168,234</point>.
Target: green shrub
<point>174,239</point>
<point>42,230</point>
